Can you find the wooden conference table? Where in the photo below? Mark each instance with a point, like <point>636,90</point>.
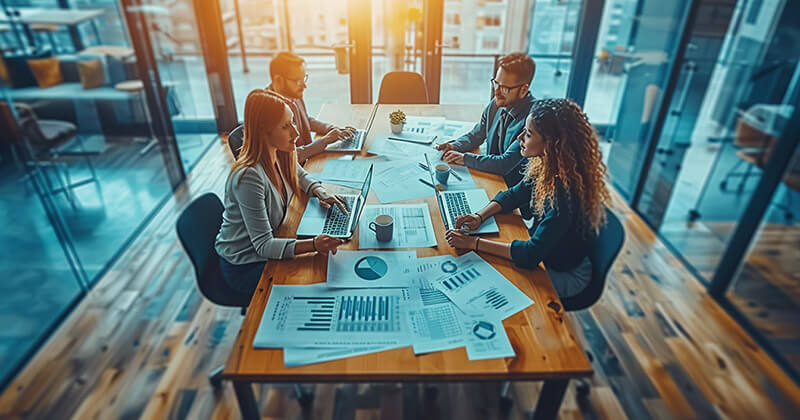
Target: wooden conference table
<point>545,345</point>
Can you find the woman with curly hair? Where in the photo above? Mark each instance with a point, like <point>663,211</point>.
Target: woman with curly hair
<point>563,188</point>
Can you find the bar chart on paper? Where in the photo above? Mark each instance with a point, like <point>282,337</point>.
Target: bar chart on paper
<point>314,315</point>
<point>477,288</point>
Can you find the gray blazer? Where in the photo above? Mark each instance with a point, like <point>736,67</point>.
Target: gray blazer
<point>253,208</point>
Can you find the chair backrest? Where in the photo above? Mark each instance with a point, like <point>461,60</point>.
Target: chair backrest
<point>197,228</point>
<point>8,125</point>
<point>235,140</point>
<point>403,87</point>
<point>602,253</point>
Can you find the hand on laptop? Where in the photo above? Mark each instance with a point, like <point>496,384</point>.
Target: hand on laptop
<point>459,240</point>
<point>324,244</point>
<point>327,199</point>
<point>454,158</point>
<point>471,221</point>
<point>335,134</point>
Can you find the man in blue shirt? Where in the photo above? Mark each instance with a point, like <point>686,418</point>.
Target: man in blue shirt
<point>501,122</point>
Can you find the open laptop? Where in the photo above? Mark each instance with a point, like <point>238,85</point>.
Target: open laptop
<point>333,221</point>
<point>453,204</point>
<point>353,143</point>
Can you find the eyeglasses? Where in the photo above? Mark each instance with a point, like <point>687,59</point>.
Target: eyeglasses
<point>504,89</point>
<point>297,82</point>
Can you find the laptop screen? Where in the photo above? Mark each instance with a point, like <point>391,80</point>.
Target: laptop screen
<point>367,182</point>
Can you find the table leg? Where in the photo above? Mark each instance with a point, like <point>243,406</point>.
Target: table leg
<point>247,400</point>
<point>550,399</point>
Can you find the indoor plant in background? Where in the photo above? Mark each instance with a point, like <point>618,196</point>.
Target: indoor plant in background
<point>397,119</point>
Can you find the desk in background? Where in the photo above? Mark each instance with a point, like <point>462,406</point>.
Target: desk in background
<point>545,345</point>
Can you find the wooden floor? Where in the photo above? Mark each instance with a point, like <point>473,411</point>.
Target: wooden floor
<point>141,344</point>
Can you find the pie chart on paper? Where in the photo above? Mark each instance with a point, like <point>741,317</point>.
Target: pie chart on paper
<point>371,268</point>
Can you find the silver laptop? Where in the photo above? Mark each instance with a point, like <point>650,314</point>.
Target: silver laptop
<point>453,204</point>
<point>333,221</point>
<point>354,143</point>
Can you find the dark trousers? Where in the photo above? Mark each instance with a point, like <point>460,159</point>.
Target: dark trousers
<point>242,277</point>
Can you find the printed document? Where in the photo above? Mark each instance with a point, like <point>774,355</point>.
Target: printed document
<point>435,323</point>
<point>399,180</point>
<point>477,288</point>
<point>412,227</point>
<point>300,356</point>
<point>370,269</point>
<point>315,316</point>
<point>486,338</point>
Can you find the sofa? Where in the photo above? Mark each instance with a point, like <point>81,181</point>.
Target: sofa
<point>99,110</point>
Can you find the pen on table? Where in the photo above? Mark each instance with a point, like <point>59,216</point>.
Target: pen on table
<point>425,167</point>
<point>427,183</point>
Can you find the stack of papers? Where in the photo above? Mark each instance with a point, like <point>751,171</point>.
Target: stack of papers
<point>443,303</point>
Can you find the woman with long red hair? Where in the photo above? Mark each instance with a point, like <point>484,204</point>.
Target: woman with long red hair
<point>260,186</point>
<point>564,190</point>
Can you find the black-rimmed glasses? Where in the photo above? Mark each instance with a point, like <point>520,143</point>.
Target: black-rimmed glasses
<point>503,88</point>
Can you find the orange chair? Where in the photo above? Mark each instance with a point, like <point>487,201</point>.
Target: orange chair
<point>403,87</point>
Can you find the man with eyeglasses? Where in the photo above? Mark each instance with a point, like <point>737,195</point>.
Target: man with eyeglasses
<point>501,122</point>
<point>289,78</point>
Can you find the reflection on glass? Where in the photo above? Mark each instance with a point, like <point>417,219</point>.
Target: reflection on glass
<point>766,288</point>
<point>38,281</point>
<point>728,108</point>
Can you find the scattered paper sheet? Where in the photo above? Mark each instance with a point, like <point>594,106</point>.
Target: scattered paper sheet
<point>369,269</point>
<point>434,322</point>
<point>486,338</point>
<point>398,180</point>
<point>300,356</point>
<point>315,316</point>
<point>412,227</point>
<point>455,129</point>
<point>477,288</point>
<point>349,173</point>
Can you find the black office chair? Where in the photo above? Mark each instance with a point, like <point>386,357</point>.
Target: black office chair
<point>403,87</point>
<point>235,140</point>
<point>603,252</point>
<point>197,228</point>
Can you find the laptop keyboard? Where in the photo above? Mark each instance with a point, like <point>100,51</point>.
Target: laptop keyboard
<point>350,142</point>
<point>457,204</point>
<point>336,220</point>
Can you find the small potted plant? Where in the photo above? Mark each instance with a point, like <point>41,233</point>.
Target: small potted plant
<point>397,119</point>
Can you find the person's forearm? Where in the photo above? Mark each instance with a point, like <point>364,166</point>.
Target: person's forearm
<point>500,249</point>
<point>490,210</point>
<point>311,149</point>
<point>303,246</point>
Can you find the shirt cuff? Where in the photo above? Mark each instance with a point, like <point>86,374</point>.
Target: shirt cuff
<point>518,254</point>
<point>470,160</point>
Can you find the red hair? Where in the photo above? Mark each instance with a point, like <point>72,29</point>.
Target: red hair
<point>263,110</point>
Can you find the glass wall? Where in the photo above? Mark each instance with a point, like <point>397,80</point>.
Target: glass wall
<point>80,167</point>
<point>39,277</point>
<point>315,30</point>
<point>727,106</point>
<point>477,32</point>
<point>766,288</point>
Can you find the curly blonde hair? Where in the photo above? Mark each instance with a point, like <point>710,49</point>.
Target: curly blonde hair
<point>571,160</point>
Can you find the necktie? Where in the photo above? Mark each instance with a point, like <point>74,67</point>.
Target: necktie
<point>500,135</point>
